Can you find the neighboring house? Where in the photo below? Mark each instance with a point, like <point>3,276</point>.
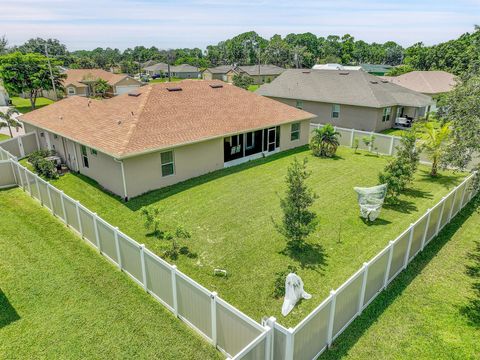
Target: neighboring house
<point>4,99</point>
<point>432,83</point>
<point>147,63</point>
<point>376,69</point>
<point>260,74</point>
<point>81,82</point>
<point>336,67</point>
<point>222,72</point>
<point>183,71</point>
<point>351,99</point>
<point>166,133</point>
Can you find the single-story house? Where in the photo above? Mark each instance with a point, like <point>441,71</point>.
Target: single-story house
<point>183,71</point>
<point>222,72</point>
<point>432,83</point>
<point>4,99</point>
<point>260,74</point>
<point>165,133</point>
<point>81,82</point>
<point>350,99</point>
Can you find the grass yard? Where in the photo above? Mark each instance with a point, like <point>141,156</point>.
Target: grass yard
<point>23,105</point>
<point>229,214</point>
<point>60,300</point>
<point>253,87</point>
<point>432,310</point>
<point>4,137</point>
<point>393,132</point>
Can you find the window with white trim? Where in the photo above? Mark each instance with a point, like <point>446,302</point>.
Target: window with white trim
<point>386,114</point>
<point>299,104</point>
<point>168,167</point>
<point>93,152</point>
<point>335,110</point>
<point>295,132</point>
<point>84,156</point>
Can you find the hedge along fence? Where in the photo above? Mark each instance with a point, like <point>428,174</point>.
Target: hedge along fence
<point>228,329</point>
<point>323,325</point>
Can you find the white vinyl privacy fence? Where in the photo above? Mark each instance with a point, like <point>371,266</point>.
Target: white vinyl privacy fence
<point>231,331</point>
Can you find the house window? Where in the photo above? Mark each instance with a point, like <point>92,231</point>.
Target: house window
<point>55,136</point>
<point>71,91</point>
<point>42,134</point>
<point>386,114</point>
<point>299,104</point>
<point>167,163</point>
<point>84,156</point>
<point>295,132</point>
<point>93,152</point>
<point>250,141</point>
<point>335,111</point>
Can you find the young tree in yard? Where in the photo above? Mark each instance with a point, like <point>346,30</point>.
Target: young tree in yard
<point>101,87</point>
<point>29,74</point>
<point>7,120</point>
<point>298,220</point>
<point>242,81</point>
<point>152,219</point>
<point>324,141</point>
<point>399,172</point>
<point>435,142</point>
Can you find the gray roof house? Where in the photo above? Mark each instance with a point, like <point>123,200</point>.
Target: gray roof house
<point>218,73</point>
<point>183,71</point>
<point>350,99</point>
<point>261,74</point>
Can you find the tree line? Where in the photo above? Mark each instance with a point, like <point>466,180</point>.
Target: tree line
<point>294,50</point>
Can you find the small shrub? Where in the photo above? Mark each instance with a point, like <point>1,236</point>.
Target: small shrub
<point>41,166</point>
<point>356,144</point>
<point>279,284</point>
<point>369,141</point>
<point>325,141</point>
<point>152,220</point>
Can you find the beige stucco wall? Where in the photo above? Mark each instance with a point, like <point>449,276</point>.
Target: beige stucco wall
<point>353,117</point>
<point>285,132</point>
<point>80,91</point>
<point>144,173</point>
<point>207,75</point>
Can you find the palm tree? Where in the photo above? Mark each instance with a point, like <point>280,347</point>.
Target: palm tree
<point>7,120</point>
<point>325,141</point>
<point>434,143</point>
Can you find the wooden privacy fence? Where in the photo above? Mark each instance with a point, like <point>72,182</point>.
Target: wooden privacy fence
<point>231,331</point>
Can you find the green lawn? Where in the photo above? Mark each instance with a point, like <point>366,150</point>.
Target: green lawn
<point>59,299</point>
<point>229,214</point>
<point>4,137</point>
<point>393,132</point>
<point>23,105</point>
<point>253,87</point>
<point>432,310</point>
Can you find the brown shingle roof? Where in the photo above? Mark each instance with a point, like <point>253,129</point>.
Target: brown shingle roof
<point>78,76</point>
<point>158,118</point>
<point>426,82</point>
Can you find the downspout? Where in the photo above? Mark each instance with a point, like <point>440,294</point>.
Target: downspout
<point>125,195</point>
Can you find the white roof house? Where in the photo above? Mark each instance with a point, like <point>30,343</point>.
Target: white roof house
<point>336,67</point>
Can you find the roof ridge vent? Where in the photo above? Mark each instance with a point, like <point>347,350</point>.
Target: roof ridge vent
<point>344,73</point>
<point>135,93</point>
<point>306,72</point>
<point>373,82</point>
<point>174,88</point>
<point>216,86</point>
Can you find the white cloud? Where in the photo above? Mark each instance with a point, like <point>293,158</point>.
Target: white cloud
<point>125,23</point>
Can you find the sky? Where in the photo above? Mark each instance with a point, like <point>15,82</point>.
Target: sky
<point>87,24</point>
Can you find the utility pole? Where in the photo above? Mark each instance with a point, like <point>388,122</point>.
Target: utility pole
<point>51,73</point>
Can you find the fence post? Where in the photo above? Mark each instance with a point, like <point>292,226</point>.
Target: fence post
<point>389,264</point>
<point>440,216</point>
<point>409,246</point>
<point>424,238</point>
<point>352,137</point>
<point>331,317</point>
<point>79,218</point>
<point>20,176</point>
<point>144,268</point>
<point>97,236</point>
<point>62,201</point>
<point>390,152</point>
<point>463,197</point>
<point>289,345</point>
<point>450,214</point>
<point>49,199</point>
<point>28,182</point>
<point>271,323</point>
<point>117,248</point>
<point>13,168</point>
<point>20,146</point>
<point>174,289</point>
<point>213,310</point>
<point>268,342</point>
<point>370,145</point>
<point>38,189</point>
<point>364,286</point>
